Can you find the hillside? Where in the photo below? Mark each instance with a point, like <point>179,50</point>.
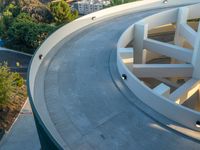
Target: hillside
<point>36,8</point>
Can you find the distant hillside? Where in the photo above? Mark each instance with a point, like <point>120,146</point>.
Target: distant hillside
<point>36,8</point>
<point>5,2</point>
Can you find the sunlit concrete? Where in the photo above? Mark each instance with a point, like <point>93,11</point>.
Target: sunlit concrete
<point>170,50</point>
<point>185,91</point>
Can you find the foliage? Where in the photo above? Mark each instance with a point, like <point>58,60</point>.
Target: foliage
<point>23,18</point>
<point>62,12</point>
<point>11,10</point>
<point>39,12</point>
<point>26,23</point>
<point>25,31</point>
<point>8,15</point>
<point>10,82</point>
<point>1,28</point>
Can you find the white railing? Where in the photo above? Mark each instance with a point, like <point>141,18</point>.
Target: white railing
<point>138,34</point>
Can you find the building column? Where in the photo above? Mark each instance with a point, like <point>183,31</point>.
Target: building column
<point>181,19</point>
<point>140,33</point>
<point>196,56</point>
<point>178,39</point>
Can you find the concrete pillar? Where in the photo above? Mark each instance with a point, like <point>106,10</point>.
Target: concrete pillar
<point>178,40</point>
<point>162,89</point>
<point>181,19</point>
<point>140,33</point>
<point>196,56</point>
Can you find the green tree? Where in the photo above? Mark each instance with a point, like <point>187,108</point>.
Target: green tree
<point>27,35</point>
<point>8,15</point>
<point>10,83</point>
<point>24,27</point>
<point>62,13</point>
<point>11,10</point>
<point>23,17</point>
<point>2,28</point>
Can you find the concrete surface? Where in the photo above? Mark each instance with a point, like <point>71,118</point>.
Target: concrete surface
<point>86,106</point>
<point>88,109</point>
<point>12,57</point>
<point>23,134</point>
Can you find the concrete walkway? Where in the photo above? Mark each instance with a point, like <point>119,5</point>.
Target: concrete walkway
<point>23,134</point>
<point>88,103</point>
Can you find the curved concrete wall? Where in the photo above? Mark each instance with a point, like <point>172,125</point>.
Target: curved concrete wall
<point>171,110</point>
<point>51,46</point>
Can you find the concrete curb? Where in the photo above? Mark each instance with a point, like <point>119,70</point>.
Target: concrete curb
<point>14,51</point>
<point>6,132</point>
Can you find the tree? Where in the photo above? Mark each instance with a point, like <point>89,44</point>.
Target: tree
<point>27,34</point>
<point>25,23</point>
<point>61,12</point>
<point>10,83</point>
<point>23,17</point>
<point>2,28</point>
<point>8,15</point>
<point>11,10</point>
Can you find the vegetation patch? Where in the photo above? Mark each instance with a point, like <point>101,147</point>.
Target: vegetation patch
<point>12,96</point>
<point>25,24</point>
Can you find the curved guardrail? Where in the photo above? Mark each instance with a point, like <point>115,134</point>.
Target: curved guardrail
<point>51,46</point>
<point>178,113</point>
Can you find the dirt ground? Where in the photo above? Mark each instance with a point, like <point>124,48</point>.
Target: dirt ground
<point>10,111</point>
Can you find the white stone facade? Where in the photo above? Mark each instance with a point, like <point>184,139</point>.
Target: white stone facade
<point>85,7</point>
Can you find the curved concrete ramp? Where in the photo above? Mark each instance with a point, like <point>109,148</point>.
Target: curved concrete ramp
<point>89,104</point>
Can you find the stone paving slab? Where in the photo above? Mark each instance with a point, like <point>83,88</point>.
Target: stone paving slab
<point>23,134</point>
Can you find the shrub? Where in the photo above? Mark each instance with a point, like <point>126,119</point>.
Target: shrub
<point>62,12</point>
<point>10,82</point>
<point>26,33</point>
